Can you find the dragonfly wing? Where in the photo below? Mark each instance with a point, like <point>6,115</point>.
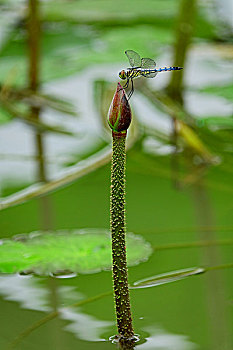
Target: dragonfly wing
<point>134,58</point>
<point>147,64</point>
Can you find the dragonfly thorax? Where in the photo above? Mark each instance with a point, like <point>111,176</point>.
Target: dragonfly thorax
<point>123,75</point>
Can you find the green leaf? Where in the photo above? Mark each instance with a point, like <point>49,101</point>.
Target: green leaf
<point>224,91</point>
<point>4,117</point>
<point>79,251</point>
<point>220,122</point>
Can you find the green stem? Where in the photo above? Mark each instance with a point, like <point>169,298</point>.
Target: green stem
<point>120,275</point>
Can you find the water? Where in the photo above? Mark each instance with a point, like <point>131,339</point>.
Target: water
<point>68,310</point>
<point>163,315</point>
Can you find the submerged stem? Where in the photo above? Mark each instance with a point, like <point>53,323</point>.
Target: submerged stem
<point>117,209</point>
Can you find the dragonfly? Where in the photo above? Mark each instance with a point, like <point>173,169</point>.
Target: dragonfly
<point>140,67</point>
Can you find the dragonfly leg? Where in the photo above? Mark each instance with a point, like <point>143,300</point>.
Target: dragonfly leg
<point>126,84</point>
<point>132,89</point>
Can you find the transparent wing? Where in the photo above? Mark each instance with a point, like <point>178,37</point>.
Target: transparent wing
<point>148,63</point>
<point>134,58</point>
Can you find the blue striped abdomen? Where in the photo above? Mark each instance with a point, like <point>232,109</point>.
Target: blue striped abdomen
<point>165,69</point>
<point>133,73</point>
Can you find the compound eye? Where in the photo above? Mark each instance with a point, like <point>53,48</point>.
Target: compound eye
<point>122,74</point>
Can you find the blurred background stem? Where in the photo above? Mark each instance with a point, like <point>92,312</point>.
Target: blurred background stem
<point>214,281</point>
<point>215,286</point>
<point>34,81</point>
<point>184,32</point>
<point>183,37</point>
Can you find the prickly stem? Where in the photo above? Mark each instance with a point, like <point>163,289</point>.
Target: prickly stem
<point>117,210</point>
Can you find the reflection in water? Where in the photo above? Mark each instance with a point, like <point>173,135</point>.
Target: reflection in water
<point>26,290</point>
<point>84,326</point>
<point>64,274</point>
<point>161,340</point>
<point>33,295</point>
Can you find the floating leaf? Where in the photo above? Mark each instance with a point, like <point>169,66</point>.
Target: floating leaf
<point>176,276</point>
<point>167,277</point>
<point>63,252</point>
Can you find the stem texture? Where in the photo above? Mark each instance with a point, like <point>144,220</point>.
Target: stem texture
<point>117,209</point>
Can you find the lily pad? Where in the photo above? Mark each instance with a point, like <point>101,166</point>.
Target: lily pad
<point>77,251</point>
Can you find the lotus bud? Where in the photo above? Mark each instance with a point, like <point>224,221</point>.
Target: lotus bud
<point>119,114</point>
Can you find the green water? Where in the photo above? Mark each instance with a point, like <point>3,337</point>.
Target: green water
<point>162,215</point>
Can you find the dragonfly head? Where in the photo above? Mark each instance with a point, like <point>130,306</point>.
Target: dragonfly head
<point>122,75</point>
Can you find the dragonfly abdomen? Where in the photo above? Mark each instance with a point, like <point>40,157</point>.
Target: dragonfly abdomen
<point>168,69</point>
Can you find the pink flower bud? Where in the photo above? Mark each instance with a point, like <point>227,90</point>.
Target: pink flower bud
<point>119,114</point>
